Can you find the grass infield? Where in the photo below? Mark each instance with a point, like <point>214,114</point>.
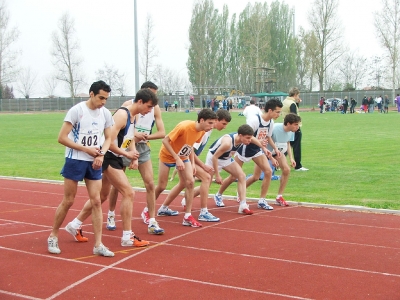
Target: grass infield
<point>352,158</point>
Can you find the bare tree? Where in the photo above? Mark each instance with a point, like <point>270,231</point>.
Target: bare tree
<point>113,77</point>
<point>8,56</point>
<point>26,82</point>
<point>65,54</point>
<point>149,49</point>
<point>49,85</point>
<point>353,68</point>
<point>388,30</point>
<point>168,80</point>
<point>328,31</point>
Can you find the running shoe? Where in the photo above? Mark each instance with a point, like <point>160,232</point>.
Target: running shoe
<point>218,200</point>
<point>280,201</point>
<point>111,223</point>
<point>244,209</point>
<point>183,202</point>
<point>276,177</point>
<point>145,217</point>
<point>208,217</point>
<point>264,205</point>
<point>154,228</point>
<point>301,169</point>
<point>167,212</point>
<point>52,245</point>
<point>103,251</point>
<point>76,233</point>
<point>134,241</point>
<point>190,221</point>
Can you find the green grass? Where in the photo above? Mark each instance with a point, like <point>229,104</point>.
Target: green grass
<point>353,159</point>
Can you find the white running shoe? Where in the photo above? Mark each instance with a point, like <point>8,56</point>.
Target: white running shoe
<point>103,251</point>
<point>52,245</point>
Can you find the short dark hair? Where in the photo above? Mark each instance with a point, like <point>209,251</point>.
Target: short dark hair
<point>206,114</point>
<point>146,95</point>
<point>245,130</point>
<point>252,101</point>
<point>149,85</point>
<point>272,104</point>
<point>99,85</point>
<point>291,118</point>
<point>223,114</point>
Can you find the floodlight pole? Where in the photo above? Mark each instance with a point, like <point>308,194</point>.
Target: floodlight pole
<point>136,48</point>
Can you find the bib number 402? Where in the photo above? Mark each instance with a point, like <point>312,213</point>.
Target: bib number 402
<point>89,140</point>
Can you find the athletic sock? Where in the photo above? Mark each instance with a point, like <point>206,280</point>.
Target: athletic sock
<point>76,223</point>
<point>145,209</point>
<point>111,213</point>
<point>126,235</point>
<point>242,202</point>
<point>203,210</point>
<point>187,215</point>
<point>163,207</point>
<point>278,196</point>
<point>218,194</point>
<point>151,220</point>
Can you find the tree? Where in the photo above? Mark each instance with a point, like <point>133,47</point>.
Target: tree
<point>26,82</point>
<point>204,39</point>
<point>353,68</point>
<point>253,45</point>
<point>149,50</point>
<point>282,55</point>
<point>49,85</point>
<point>65,54</point>
<point>327,29</point>
<point>8,56</point>
<point>113,77</point>
<point>8,92</point>
<point>388,30</point>
<point>305,58</point>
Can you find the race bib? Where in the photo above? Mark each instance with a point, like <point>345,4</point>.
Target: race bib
<point>262,134</point>
<point>282,147</point>
<point>185,150</point>
<point>140,128</point>
<point>126,142</point>
<point>90,139</point>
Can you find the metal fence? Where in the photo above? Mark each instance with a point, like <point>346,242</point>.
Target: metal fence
<point>310,99</point>
<point>62,104</point>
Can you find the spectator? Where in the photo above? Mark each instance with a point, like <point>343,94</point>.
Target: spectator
<point>176,104</point>
<point>379,101</point>
<point>290,105</point>
<point>166,104</point>
<point>353,104</point>
<point>365,104</point>
<point>371,105</point>
<point>398,102</point>
<point>345,105</point>
<point>251,110</point>
<point>321,105</point>
<point>386,104</point>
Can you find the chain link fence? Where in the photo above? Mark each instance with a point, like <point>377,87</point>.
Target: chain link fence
<point>309,100</point>
<point>63,104</point>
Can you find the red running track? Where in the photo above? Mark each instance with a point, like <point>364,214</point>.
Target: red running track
<point>289,253</point>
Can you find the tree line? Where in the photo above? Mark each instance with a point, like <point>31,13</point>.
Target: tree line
<point>259,47</point>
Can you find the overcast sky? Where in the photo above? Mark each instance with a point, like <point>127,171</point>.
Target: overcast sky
<point>106,33</point>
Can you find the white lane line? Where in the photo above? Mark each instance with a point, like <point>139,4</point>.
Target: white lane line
<point>19,295</point>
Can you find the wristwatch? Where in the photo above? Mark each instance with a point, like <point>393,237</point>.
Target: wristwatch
<point>101,152</point>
